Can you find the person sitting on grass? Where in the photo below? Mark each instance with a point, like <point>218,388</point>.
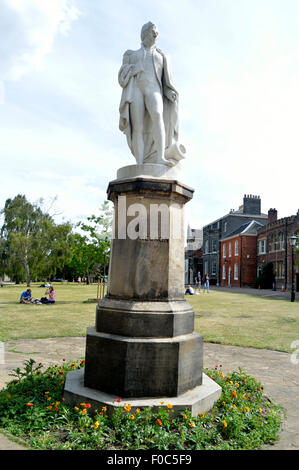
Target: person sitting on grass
<point>189,290</point>
<point>51,293</point>
<point>26,297</point>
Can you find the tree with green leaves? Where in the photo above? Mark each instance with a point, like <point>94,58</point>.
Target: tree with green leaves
<point>32,245</point>
<point>91,248</point>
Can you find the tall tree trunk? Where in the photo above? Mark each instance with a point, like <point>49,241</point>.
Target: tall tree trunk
<point>27,271</point>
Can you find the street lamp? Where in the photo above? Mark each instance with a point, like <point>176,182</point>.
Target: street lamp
<point>292,241</point>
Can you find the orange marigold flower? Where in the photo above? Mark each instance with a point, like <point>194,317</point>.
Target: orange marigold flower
<point>49,407</point>
<point>235,395</point>
<point>224,423</point>
<point>132,417</point>
<point>8,395</point>
<point>159,422</point>
<point>83,412</point>
<point>29,404</point>
<point>185,416</point>
<point>96,425</point>
<point>260,410</point>
<point>87,405</point>
<point>191,424</point>
<point>104,408</point>
<point>169,405</point>
<point>162,402</point>
<point>138,410</point>
<point>247,409</point>
<point>76,408</point>
<point>202,415</point>
<point>127,407</point>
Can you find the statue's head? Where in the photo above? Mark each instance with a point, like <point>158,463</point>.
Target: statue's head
<point>149,33</point>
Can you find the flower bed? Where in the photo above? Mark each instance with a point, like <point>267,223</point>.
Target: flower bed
<point>33,410</point>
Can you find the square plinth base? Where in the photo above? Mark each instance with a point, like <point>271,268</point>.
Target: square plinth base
<point>200,399</point>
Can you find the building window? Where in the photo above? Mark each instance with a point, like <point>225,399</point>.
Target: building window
<point>229,250</point>
<point>262,246</point>
<point>225,227</point>
<point>236,272</point>
<point>206,267</point>
<point>223,272</point>
<point>213,269</point>
<point>207,247</point>
<point>281,241</point>
<point>279,269</point>
<point>224,250</point>
<point>236,248</point>
<point>214,246</point>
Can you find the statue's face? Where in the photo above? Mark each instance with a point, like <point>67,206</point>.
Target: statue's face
<point>151,36</point>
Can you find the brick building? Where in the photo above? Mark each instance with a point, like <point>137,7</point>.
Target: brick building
<point>273,246</point>
<point>220,228</point>
<point>238,256</point>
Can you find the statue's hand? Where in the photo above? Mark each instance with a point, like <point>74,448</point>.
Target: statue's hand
<point>171,95</point>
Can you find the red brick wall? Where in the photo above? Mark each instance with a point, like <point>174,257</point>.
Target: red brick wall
<point>246,261</point>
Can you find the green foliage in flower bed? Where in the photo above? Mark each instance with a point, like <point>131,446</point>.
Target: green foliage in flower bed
<point>32,409</point>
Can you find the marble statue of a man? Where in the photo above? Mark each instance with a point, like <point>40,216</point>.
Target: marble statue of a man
<point>149,102</point>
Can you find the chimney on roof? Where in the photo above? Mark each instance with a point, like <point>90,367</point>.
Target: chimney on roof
<point>272,216</point>
<point>251,204</point>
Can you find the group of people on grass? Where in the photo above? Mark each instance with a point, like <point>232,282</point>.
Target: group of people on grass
<point>206,285</point>
<point>26,297</point>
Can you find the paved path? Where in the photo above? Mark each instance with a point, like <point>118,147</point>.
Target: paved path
<point>267,293</point>
<point>276,372</point>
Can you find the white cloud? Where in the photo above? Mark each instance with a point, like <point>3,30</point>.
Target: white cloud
<point>28,29</point>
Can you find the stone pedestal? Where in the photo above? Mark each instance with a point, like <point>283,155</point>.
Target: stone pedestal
<point>143,343</point>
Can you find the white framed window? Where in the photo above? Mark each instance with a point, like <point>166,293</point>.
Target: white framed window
<point>224,250</point>
<point>262,246</point>
<point>230,249</point>
<point>223,272</point>
<point>236,248</point>
<point>214,246</point>
<point>225,226</point>
<point>207,246</point>
<point>236,272</point>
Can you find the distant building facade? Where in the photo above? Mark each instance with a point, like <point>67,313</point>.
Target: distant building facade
<point>273,246</point>
<point>214,232</point>
<point>238,256</point>
<point>193,254</point>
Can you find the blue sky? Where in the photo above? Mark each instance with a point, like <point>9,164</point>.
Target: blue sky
<point>235,64</point>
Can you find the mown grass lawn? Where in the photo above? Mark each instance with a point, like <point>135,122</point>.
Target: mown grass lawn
<point>220,317</point>
<point>69,316</point>
<point>245,320</point>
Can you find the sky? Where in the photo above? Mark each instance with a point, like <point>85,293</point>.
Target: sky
<point>235,64</point>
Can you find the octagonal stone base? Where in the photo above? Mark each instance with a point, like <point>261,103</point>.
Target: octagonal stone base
<point>142,367</point>
<point>199,400</point>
